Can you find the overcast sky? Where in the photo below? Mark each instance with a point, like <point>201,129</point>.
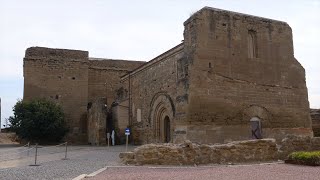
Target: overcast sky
<point>134,29</point>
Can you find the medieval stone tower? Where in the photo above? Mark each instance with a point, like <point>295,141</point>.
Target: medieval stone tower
<point>234,77</point>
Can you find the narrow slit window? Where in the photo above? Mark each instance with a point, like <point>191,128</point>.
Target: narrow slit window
<point>252,44</point>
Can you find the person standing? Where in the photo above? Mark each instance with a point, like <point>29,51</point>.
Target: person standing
<point>113,138</point>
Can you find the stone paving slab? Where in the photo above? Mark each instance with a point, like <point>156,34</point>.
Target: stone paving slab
<point>274,171</point>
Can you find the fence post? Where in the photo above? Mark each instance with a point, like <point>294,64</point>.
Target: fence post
<point>127,142</point>
<point>66,151</point>
<point>35,157</point>
<point>28,148</point>
<point>108,138</point>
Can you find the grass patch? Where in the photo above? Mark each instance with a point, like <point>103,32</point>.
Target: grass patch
<point>304,158</point>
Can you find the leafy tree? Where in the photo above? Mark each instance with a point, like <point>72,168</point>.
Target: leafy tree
<point>38,120</point>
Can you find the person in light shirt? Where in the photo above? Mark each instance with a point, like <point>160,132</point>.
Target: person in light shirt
<point>112,138</point>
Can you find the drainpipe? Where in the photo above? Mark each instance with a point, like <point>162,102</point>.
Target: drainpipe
<point>130,101</point>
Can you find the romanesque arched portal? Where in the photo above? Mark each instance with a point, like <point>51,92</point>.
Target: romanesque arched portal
<point>161,117</point>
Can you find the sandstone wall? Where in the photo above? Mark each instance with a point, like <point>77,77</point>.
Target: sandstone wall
<point>153,88</point>
<point>71,79</point>
<point>227,87</point>
<point>292,143</point>
<point>190,153</point>
<point>315,116</point>
<point>120,118</point>
<point>97,119</point>
<point>62,76</point>
<point>104,77</point>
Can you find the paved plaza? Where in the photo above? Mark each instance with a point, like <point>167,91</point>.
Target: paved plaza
<point>95,163</point>
<point>273,171</point>
<point>81,160</point>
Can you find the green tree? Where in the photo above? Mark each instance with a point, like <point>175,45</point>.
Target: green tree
<point>38,120</point>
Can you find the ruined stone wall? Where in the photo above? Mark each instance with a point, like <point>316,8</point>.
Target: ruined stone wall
<point>97,119</point>
<point>60,75</point>
<point>104,77</point>
<point>71,79</point>
<point>315,116</point>
<point>120,118</point>
<point>228,87</point>
<point>189,153</point>
<point>153,88</point>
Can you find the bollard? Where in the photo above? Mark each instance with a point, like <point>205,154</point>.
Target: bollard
<point>127,139</point>
<point>35,157</point>
<point>108,137</point>
<point>66,151</point>
<point>28,148</point>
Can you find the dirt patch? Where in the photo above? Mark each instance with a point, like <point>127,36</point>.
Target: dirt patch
<point>8,138</point>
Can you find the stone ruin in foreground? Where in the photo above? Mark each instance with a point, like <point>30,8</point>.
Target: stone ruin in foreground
<point>188,153</point>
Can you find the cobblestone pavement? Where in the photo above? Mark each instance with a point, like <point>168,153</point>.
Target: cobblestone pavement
<point>14,162</point>
<point>236,172</point>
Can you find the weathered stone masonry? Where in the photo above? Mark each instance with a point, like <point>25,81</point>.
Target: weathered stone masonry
<point>60,75</point>
<point>315,116</point>
<point>72,79</point>
<point>188,153</point>
<point>234,77</point>
<point>212,84</point>
<point>228,87</point>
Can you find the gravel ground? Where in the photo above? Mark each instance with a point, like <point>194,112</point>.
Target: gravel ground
<point>239,172</point>
<point>82,160</point>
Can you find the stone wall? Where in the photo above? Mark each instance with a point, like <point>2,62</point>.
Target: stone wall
<point>153,90</point>
<point>104,77</point>
<point>227,87</point>
<point>315,116</point>
<point>72,79</point>
<point>293,143</point>
<point>97,119</point>
<point>189,153</point>
<point>120,117</point>
<point>231,67</point>
<point>60,75</point>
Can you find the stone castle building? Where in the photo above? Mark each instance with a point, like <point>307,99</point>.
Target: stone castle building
<point>233,77</point>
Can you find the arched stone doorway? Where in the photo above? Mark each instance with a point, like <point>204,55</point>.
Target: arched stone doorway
<point>259,118</point>
<point>161,117</point>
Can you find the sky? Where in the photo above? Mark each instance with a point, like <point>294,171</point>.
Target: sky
<point>134,29</point>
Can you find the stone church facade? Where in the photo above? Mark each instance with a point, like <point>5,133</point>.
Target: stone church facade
<point>233,77</point>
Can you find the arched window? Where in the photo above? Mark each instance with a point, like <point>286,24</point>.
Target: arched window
<point>252,44</point>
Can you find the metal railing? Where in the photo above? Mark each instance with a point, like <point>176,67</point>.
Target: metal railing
<point>9,155</point>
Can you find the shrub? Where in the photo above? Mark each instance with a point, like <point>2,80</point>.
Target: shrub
<point>38,120</point>
<point>305,158</point>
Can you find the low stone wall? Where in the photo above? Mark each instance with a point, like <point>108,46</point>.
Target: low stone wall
<point>297,143</point>
<point>189,153</point>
